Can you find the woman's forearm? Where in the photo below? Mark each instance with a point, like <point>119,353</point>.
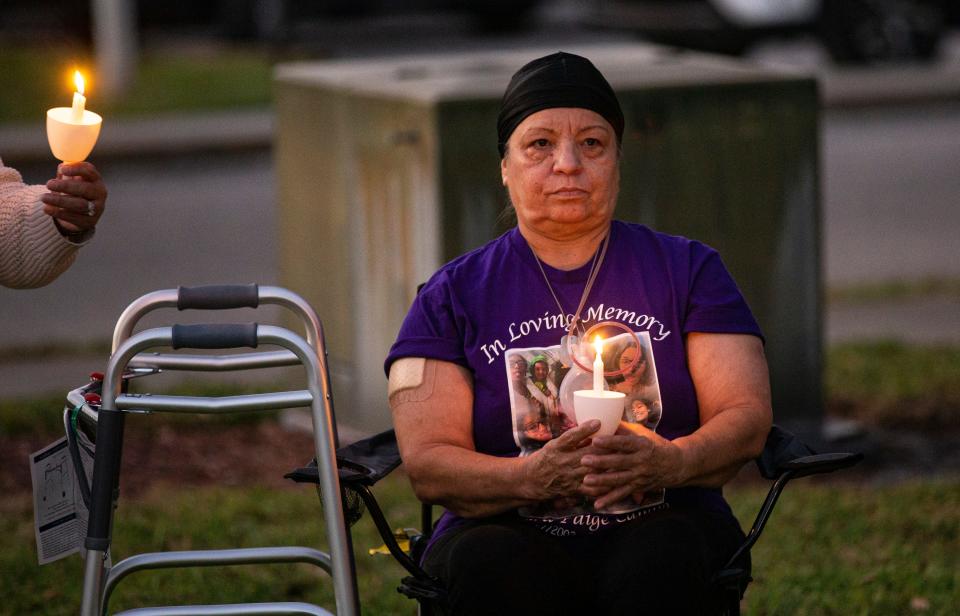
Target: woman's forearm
<point>733,389</point>
<point>32,252</point>
<point>468,483</point>
<point>715,453</point>
<point>432,404</point>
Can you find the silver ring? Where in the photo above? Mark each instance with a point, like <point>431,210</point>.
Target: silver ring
<point>91,209</point>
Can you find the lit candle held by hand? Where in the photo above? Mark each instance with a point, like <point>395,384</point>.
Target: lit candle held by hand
<point>598,364</point>
<point>598,403</point>
<point>73,131</point>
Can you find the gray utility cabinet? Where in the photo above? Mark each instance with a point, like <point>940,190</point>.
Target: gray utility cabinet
<point>387,168</point>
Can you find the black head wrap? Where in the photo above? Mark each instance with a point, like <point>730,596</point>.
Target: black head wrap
<point>558,80</point>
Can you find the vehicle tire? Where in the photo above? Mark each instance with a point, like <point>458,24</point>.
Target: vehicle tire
<point>501,15</point>
<point>868,31</point>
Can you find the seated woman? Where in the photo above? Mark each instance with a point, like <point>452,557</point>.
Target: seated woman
<point>560,129</point>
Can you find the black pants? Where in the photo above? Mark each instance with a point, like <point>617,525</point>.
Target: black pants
<point>661,563</point>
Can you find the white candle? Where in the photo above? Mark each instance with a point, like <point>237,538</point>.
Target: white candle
<point>598,365</point>
<point>79,101</point>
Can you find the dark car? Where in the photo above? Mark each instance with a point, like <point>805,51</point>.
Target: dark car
<point>854,31</point>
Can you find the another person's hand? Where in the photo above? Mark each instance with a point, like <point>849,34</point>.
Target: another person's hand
<point>555,469</point>
<point>77,198</point>
<point>631,462</point>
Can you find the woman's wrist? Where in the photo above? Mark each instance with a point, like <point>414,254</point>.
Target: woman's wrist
<point>698,467</point>
<point>682,473</point>
<point>524,480</point>
<point>76,237</point>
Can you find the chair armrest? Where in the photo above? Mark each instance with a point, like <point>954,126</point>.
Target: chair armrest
<point>821,463</point>
<point>786,457</point>
<point>366,461</point>
<point>785,452</point>
<point>360,465</point>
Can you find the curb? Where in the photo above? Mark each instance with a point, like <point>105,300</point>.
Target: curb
<point>157,135</point>
<point>876,87</point>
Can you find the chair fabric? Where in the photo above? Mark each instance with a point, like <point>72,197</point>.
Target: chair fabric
<point>781,447</point>
<point>365,462</point>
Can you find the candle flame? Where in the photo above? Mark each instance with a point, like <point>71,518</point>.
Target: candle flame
<point>598,344</point>
<point>78,79</point>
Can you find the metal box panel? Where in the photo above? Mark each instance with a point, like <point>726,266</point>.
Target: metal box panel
<point>388,168</point>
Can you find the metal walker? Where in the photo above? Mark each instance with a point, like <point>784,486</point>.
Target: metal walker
<point>100,578</point>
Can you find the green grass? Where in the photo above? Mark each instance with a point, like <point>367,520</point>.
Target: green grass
<point>43,416</point>
<point>200,519</point>
<point>894,290</point>
<point>849,550</point>
<point>895,385</point>
<point>881,383</point>
<point>53,350</point>
<point>225,78</point>
<point>827,550</point>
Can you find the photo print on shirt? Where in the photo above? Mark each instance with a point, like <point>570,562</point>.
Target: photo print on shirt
<point>541,390</point>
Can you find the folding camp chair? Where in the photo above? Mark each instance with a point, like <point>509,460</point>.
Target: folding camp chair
<point>363,463</point>
<point>100,578</point>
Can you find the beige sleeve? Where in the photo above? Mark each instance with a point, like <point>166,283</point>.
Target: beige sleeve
<point>32,252</point>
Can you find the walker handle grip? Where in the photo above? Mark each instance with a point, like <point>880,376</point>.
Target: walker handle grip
<point>214,336</point>
<point>218,297</point>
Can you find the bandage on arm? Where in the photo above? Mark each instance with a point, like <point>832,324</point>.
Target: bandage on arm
<point>411,380</point>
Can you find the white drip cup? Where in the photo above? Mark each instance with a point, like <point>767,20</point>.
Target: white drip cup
<point>607,406</point>
<point>72,141</point>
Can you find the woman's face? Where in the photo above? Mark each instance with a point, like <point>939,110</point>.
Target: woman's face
<point>561,170</point>
<point>640,411</point>
<point>518,369</point>
<point>540,371</point>
<point>626,358</point>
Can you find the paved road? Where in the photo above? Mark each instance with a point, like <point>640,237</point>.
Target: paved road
<point>184,220</point>
<point>890,193</point>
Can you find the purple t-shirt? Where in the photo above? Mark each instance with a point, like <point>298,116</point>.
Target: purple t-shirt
<point>480,307</point>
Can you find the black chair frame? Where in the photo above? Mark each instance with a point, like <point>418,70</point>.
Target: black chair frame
<point>784,458</point>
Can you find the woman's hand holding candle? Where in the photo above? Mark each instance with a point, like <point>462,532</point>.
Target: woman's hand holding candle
<point>630,463</point>
<point>77,195</point>
<point>77,198</point>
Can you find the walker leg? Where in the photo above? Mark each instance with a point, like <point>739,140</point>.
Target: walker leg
<point>93,577</point>
<point>103,498</point>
